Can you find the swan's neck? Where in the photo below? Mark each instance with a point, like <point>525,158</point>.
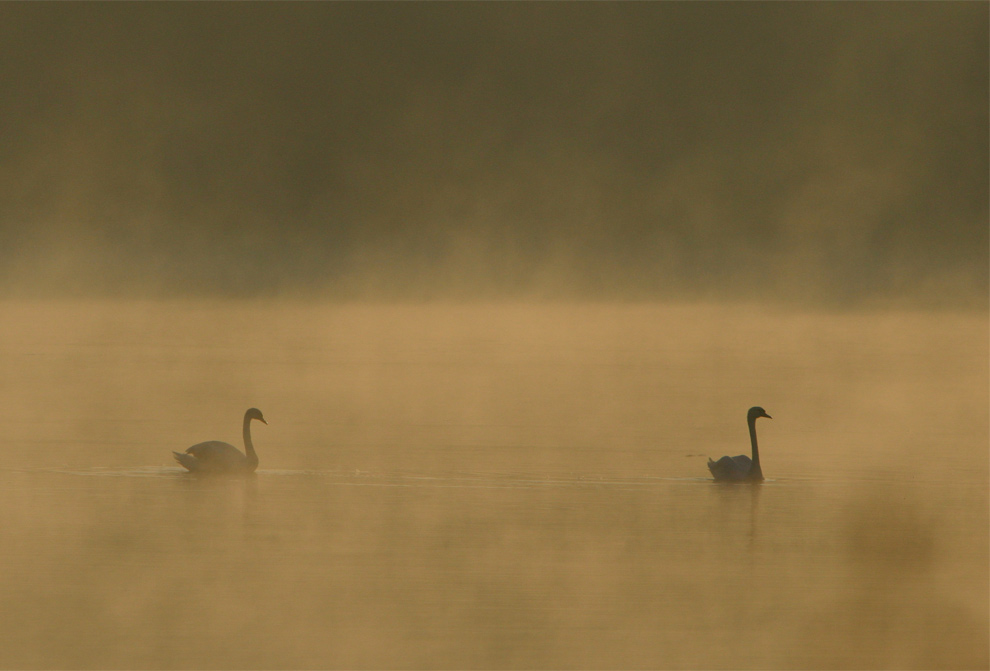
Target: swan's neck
<point>755,472</point>
<point>252,456</point>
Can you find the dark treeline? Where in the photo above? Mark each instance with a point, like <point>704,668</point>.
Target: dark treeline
<point>823,152</point>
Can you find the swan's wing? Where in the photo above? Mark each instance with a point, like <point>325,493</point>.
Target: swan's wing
<point>742,462</point>
<point>216,453</point>
<point>721,466</point>
<point>729,463</point>
<point>730,468</point>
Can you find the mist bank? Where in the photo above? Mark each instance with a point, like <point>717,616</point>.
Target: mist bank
<point>816,153</point>
<point>470,273</point>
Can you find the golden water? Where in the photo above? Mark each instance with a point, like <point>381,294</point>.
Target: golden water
<point>492,486</point>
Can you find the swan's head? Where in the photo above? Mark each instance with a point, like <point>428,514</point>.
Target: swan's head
<point>254,413</point>
<point>757,411</point>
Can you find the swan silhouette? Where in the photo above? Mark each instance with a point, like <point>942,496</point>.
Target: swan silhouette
<point>741,468</point>
<point>217,457</point>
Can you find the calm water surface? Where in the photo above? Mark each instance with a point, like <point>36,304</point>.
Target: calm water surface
<point>497,486</point>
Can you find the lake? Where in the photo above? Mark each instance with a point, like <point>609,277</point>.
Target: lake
<point>493,486</point>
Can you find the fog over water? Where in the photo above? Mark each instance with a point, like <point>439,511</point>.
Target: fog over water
<point>804,152</point>
<point>493,486</point>
<point>502,277</point>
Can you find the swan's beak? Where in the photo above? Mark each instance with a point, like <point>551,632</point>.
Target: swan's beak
<point>764,414</point>
<point>265,422</point>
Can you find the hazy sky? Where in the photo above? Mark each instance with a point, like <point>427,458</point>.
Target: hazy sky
<point>811,152</point>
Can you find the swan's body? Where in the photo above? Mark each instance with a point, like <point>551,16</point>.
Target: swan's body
<point>218,457</point>
<point>741,468</point>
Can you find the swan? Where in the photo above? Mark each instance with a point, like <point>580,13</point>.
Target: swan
<point>741,468</point>
<point>217,457</point>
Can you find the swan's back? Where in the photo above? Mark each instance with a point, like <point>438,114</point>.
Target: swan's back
<point>213,455</point>
<point>731,468</point>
